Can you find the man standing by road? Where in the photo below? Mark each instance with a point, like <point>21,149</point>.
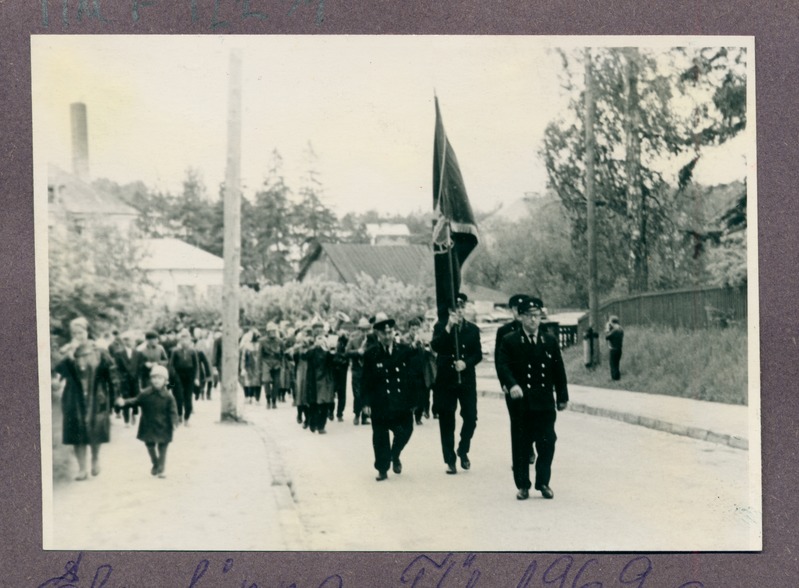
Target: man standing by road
<point>387,392</point>
<point>530,367</point>
<point>615,337</point>
<point>457,343</point>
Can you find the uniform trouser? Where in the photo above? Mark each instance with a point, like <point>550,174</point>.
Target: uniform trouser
<point>445,402</point>
<point>532,426</point>
<point>398,423</point>
<point>510,403</point>
<point>183,393</point>
<point>340,384</point>
<point>158,457</point>
<point>615,360</point>
<point>317,415</point>
<point>357,404</point>
<point>272,386</point>
<point>422,402</point>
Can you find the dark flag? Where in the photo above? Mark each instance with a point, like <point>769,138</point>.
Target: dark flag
<point>455,232</point>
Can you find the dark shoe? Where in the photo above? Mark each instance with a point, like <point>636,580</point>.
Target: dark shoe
<point>330,417</point>
<point>546,491</point>
<point>397,466</point>
<point>451,469</point>
<point>95,470</point>
<point>322,432</point>
<point>532,458</point>
<point>82,477</point>
<point>340,419</point>
<point>365,420</point>
<point>419,421</point>
<point>357,420</point>
<point>299,420</point>
<point>523,494</point>
<point>427,414</point>
<point>381,476</point>
<point>465,463</point>
<point>154,470</point>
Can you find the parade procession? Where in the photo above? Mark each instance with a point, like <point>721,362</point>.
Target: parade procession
<point>268,369</point>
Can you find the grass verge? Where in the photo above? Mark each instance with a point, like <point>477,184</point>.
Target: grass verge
<point>704,365</point>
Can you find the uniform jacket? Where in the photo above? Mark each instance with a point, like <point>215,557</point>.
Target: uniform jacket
<point>469,348</point>
<point>537,368</point>
<point>159,415</point>
<point>86,410</point>
<point>127,368</point>
<point>388,380</point>
<point>319,375</point>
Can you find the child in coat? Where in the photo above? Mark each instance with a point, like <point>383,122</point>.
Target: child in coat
<point>158,419</point>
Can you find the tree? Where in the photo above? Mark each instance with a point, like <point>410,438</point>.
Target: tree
<point>310,218</point>
<point>638,131</point>
<point>270,244</point>
<point>94,274</point>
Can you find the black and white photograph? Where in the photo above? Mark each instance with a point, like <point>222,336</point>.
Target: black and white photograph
<point>293,293</point>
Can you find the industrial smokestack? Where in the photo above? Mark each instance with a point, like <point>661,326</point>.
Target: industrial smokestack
<point>80,141</point>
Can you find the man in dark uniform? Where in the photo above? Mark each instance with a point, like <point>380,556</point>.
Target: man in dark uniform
<point>457,343</point>
<point>387,394</point>
<point>514,325</point>
<point>530,367</point>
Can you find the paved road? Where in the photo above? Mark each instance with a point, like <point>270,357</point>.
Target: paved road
<point>617,487</point>
<point>270,485</point>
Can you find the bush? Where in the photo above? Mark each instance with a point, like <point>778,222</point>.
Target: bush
<point>706,364</point>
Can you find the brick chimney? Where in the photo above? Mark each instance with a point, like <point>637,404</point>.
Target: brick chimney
<point>80,141</point>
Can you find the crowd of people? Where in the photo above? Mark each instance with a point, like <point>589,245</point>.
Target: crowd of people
<point>393,369</point>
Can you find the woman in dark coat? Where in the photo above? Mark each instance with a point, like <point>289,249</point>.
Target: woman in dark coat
<point>89,388</point>
<point>159,418</point>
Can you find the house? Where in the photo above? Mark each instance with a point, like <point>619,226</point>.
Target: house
<point>73,204</point>
<point>345,262</point>
<point>388,233</point>
<point>180,273</point>
<point>410,264</point>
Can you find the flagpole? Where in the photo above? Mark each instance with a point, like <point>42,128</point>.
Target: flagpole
<point>449,233</point>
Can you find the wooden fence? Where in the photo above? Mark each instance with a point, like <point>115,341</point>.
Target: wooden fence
<point>690,308</point>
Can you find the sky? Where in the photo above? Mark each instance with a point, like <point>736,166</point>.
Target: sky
<point>158,105</point>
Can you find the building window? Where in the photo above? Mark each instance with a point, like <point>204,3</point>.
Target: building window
<point>186,293</point>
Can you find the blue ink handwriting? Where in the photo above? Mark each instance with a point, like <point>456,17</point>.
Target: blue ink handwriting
<point>204,567</point>
<point>70,578</point>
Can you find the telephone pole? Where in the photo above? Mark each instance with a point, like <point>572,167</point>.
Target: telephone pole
<point>232,247</point>
<point>593,298</point>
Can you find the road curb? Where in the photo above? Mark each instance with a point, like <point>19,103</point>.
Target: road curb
<point>291,528</point>
<point>649,422</point>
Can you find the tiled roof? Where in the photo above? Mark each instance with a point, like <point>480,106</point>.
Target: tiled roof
<point>173,254</point>
<point>77,197</point>
<point>410,264</point>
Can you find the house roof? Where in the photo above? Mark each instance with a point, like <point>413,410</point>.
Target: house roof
<point>174,254</point>
<point>410,264</point>
<point>78,197</point>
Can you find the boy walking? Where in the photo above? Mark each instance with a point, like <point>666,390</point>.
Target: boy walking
<point>158,419</point>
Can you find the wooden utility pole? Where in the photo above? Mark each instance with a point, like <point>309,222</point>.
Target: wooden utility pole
<point>232,248</point>
<point>590,197</point>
